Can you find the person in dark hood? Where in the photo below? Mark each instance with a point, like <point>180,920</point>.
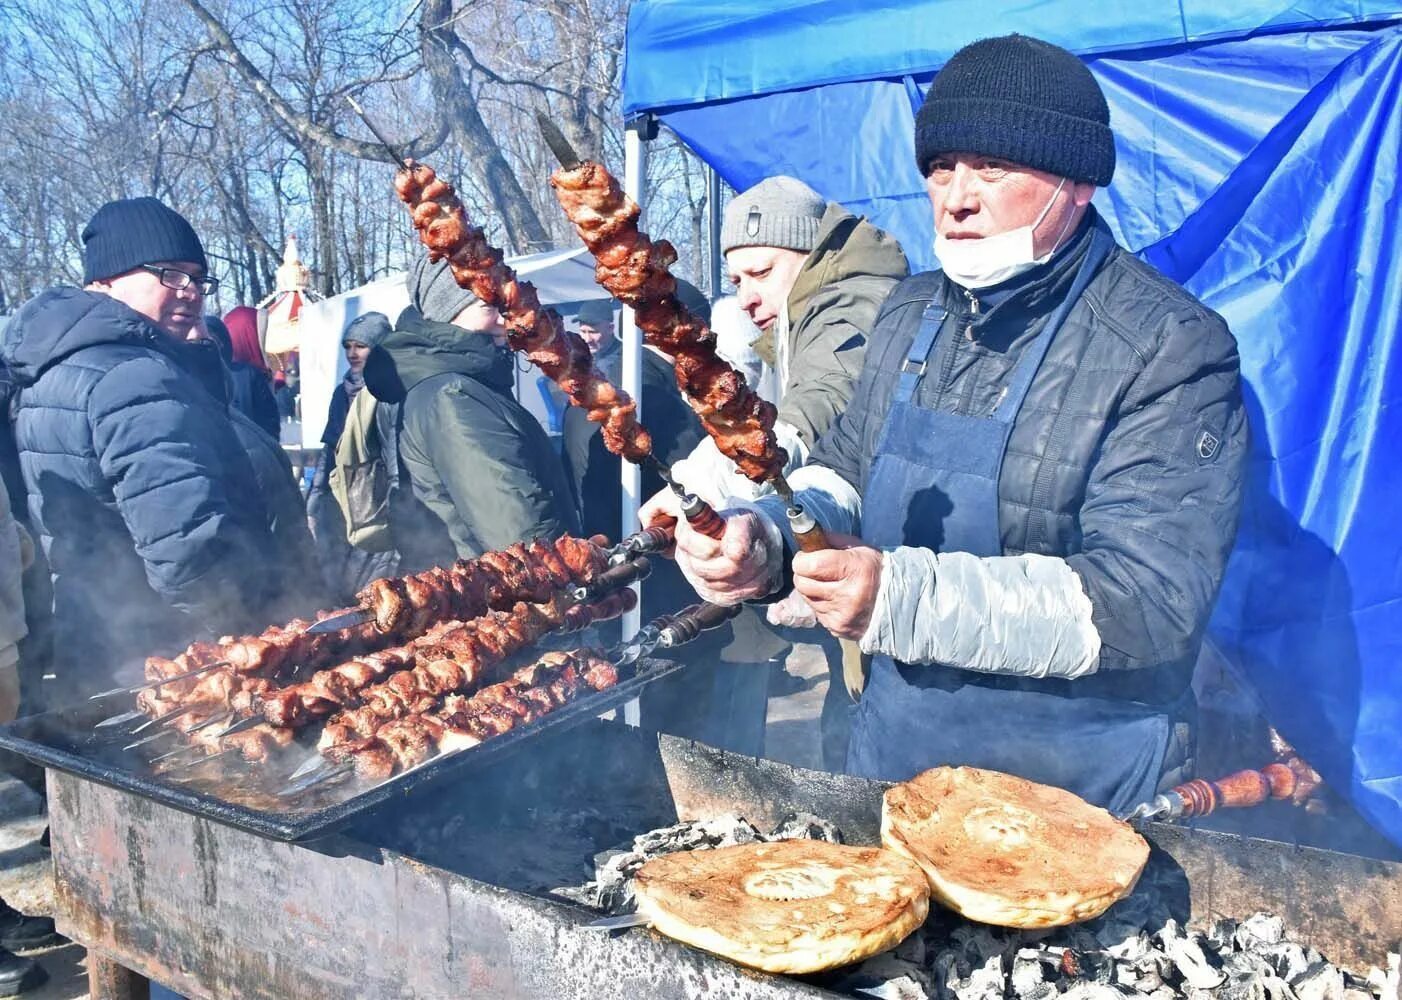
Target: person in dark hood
<point>237,337</point>
<point>346,567</point>
<point>149,495</point>
<point>477,461</point>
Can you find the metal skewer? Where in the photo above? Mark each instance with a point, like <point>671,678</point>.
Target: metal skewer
<point>393,153</point>
<point>162,682</point>
<point>147,739</point>
<point>191,765</point>
<point>177,710</point>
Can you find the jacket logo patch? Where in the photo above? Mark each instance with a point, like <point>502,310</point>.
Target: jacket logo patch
<point>752,221</point>
<point>1207,445</point>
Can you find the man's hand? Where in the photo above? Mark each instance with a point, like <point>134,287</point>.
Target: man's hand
<point>739,566</point>
<point>840,584</point>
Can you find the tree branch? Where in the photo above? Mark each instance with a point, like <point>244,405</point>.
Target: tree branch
<point>300,126</point>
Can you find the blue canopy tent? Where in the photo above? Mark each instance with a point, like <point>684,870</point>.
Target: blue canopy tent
<point>1258,148</point>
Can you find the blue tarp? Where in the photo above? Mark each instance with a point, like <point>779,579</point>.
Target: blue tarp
<point>1258,165</point>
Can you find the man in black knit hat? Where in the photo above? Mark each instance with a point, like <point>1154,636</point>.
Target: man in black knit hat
<point>163,521</point>
<point>1043,460</point>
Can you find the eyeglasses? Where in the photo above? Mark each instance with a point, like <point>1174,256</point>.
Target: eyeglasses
<point>173,277</point>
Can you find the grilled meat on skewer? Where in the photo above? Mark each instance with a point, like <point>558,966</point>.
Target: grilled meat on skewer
<point>462,668</point>
<point>530,693</point>
<point>539,333</point>
<point>635,270</point>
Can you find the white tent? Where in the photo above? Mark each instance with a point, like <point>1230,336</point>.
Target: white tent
<point>560,276</point>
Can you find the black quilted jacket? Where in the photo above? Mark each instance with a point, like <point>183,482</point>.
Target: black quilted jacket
<point>1127,457</point>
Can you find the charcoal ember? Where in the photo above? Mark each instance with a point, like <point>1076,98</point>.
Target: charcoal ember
<point>719,831</point>
<point>946,972</point>
<point>585,895</point>
<point>1384,983</point>
<point>1259,931</point>
<point>1287,960</point>
<point>805,826</point>
<point>1164,993</point>
<point>1092,991</point>
<point>1249,963</point>
<point>614,881</point>
<point>984,982</point>
<point>1087,966</point>
<point>889,977</point>
<point>1028,978</point>
<point>979,943</point>
<point>1247,987</point>
<point>1356,993</point>
<point>913,949</point>
<point>1124,942</point>
<point>1277,988</point>
<point>1188,957</point>
<point>1321,981</point>
<point>1220,935</point>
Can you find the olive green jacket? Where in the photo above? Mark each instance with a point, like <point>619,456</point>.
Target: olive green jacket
<point>831,310</point>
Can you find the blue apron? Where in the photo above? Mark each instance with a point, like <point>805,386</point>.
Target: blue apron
<point>934,484</point>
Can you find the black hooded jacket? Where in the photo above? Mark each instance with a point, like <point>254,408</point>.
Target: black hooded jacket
<point>476,459</point>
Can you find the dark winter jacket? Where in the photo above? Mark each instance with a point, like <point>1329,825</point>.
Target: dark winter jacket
<point>1126,459</point>
<point>476,459</point>
<point>161,514</point>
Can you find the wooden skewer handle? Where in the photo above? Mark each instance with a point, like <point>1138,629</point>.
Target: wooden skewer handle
<point>1237,791</point>
<point>702,516</point>
<point>807,532</point>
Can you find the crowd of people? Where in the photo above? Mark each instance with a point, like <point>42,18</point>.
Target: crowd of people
<point>1029,461</point>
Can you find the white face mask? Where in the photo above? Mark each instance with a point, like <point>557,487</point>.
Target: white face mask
<point>983,263</point>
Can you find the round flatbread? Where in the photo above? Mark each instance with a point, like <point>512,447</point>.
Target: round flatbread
<point>791,906</point>
<point>1004,850</point>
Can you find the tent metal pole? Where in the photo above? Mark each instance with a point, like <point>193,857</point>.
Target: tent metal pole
<point>713,191</point>
<point>635,150</point>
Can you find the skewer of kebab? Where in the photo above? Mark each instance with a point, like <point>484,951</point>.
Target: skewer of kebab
<point>459,723</point>
<point>635,270</point>
<point>389,603</point>
<point>344,685</point>
<point>436,675</point>
<point>397,607</point>
<point>494,638</point>
<point>474,644</point>
<point>443,226</point>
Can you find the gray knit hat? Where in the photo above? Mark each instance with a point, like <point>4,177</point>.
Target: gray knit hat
<point>777,212</point>
<point>435,293</point>
<point>368,329</point>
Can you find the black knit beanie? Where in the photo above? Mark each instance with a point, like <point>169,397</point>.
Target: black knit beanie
<point>1023,100</point>
<point>125,234</point>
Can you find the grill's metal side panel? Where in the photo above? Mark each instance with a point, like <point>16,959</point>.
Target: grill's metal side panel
<point>707,782</point>
<point>217,912</point>
<point>1348,907</point>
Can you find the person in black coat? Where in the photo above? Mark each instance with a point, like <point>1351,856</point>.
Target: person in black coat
<point>252,387</point>
<point>165,516</point>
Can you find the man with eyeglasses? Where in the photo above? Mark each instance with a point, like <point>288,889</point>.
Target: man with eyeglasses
<point>160,513</point>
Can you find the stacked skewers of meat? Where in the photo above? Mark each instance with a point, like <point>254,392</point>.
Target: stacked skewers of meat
<point>460,720</point>
<point>435,608</point>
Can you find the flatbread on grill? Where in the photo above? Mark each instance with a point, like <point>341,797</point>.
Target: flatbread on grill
<point>1003,850</point>
<point>791,906</point>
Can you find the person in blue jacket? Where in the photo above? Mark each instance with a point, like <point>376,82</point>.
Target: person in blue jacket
<point>1043,460</point>
<point>165,517</point>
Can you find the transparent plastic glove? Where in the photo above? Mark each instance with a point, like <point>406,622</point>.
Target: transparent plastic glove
<point>713,477</point>
<point>743,564</point>
<point>793,611</point>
